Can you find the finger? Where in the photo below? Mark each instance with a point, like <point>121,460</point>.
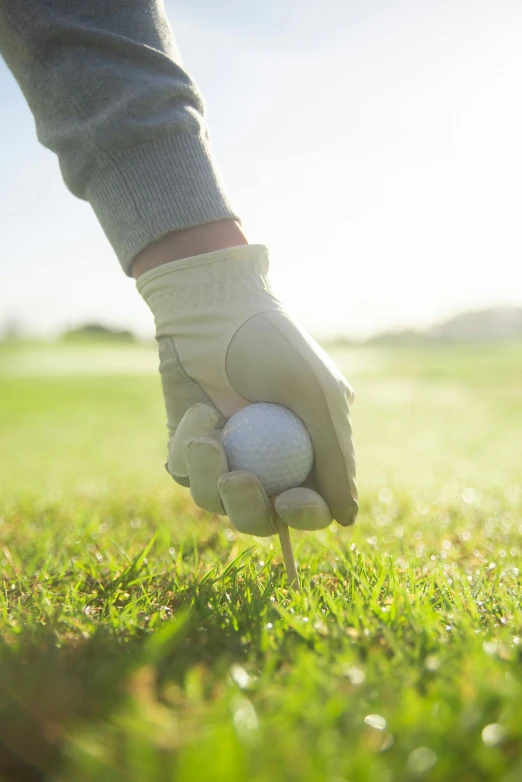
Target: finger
<point>247,504</point>
<point>206,463</point>
<point>199,421</point>
<point>303,509</point>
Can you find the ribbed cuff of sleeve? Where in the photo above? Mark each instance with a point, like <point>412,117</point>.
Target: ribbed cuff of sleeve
<point>142,193</point>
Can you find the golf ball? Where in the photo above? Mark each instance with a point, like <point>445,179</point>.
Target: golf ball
<point>271,442</point>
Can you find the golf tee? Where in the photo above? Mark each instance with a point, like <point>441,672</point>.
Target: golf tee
<point>288,555</point>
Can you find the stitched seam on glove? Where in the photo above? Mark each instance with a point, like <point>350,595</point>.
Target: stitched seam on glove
<point>255,278</point>
<point>219,291</point>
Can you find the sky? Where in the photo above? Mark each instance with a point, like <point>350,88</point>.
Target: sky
<point>374,147</point>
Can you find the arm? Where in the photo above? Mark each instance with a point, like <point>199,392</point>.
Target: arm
<point>109,96</point>
<point>104,81</point>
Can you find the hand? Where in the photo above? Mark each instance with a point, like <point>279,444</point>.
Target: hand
<point>225,341</point>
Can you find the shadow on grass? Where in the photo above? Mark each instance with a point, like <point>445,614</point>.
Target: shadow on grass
<point>44,687</point>
<point>48,686</point>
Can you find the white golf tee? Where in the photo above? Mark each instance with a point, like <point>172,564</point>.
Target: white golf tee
<point>288,555</point>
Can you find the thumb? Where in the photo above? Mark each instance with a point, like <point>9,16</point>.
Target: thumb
<point>302,508</point>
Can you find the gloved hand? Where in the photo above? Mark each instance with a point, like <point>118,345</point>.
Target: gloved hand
<point>225,341</point>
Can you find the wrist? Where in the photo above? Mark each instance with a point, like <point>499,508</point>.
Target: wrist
<point>187,243</point>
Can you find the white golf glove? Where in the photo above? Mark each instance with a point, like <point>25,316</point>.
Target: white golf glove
<point>225,342</point>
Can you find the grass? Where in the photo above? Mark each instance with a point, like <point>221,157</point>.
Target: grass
<point>145,640</point>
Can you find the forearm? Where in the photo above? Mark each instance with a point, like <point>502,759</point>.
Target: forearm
<point>109,96</point>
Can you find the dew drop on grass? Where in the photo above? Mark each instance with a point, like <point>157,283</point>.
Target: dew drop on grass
<point>421,759</point>
<point>320,627</point>
<point>387,741</point>
<point>490,648</point>
<point>375,721</point>
<point>385,494</point>
<point>493,734</point>
<point>245,717</point>
<point>240,676</point>
<point>355,675</point>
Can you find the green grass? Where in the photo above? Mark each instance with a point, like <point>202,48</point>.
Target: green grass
<point>145,640</point>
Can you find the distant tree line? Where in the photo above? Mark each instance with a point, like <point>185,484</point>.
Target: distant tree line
<point>97,331</point>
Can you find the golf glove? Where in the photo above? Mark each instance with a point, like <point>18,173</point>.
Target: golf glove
<point>225,341</point>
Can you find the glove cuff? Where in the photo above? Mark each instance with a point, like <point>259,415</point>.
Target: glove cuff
<point>203,280</point>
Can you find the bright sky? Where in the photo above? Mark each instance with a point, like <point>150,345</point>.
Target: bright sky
<point>374,147</point>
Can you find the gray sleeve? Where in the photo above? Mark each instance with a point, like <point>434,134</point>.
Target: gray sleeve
<point>109,96</point>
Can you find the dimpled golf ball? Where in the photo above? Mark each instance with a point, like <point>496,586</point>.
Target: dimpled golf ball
<point>271,442</point>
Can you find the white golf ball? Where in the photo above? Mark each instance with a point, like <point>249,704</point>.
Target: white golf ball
<point>271,442</point>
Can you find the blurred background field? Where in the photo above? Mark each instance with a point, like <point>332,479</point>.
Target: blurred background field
<point>431,418</point>
<point>142,637</point>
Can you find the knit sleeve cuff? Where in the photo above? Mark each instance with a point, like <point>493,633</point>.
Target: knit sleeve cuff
<point>144,192</point>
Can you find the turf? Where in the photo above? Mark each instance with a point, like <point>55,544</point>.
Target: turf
<point>145,640</point>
